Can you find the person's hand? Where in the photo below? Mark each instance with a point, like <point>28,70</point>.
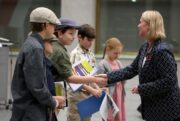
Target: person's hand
<point>57,111</point>
<point>134,90</point>
<point>61,100</point>
<point>101,75</point>
<point>105,89</point>
<point>101,79</point>
<point>96,92</point>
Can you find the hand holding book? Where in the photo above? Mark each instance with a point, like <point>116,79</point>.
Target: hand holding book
<point>83,68</point>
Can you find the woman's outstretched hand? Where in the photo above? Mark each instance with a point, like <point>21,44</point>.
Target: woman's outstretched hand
<point>102,79</point>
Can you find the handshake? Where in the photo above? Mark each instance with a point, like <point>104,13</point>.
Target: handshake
<point>101,79</point>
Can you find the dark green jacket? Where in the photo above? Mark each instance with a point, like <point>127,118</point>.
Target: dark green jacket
<point>61,62</point>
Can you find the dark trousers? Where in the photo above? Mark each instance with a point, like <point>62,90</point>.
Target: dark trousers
<point>52,116</point>
<point>177,119</point>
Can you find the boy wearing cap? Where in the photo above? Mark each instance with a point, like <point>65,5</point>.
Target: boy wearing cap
<point>31,96</point>
<point>61,61</point>
<point>86,37</point>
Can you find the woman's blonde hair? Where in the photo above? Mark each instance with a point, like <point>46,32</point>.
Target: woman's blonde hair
<point>156,24</point>
<point>112,43</point>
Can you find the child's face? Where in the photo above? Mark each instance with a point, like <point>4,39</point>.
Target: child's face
<point>48,47</point>
<point>113,54</point>
<point>86,42</point>
<point>68,37</point>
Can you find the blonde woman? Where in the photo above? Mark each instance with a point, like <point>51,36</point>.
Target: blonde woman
<point>157,70</point>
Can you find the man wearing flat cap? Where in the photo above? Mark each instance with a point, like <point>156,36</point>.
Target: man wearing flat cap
<point>31,96</point>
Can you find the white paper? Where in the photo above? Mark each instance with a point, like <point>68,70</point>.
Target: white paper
<point>75,87</point>
<point>107,104</point>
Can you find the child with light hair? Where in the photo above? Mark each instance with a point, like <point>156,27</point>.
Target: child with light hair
<point>110,62</point>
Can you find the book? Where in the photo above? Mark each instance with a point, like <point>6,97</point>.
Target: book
<point>89,106</point>
<point>61,90</point>
<point>82,68</point>
<point>93,104</point>
<point>108,103</point>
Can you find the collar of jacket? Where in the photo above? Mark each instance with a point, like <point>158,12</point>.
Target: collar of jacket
<point>157,41</point>
<point>39,38</point>
<point>48,62</point>
<point>61,44</point>
<point>83,50</point>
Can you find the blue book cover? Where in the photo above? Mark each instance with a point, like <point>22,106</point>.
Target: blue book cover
<point>89,106</point>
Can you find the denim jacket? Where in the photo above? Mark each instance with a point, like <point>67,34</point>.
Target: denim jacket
<point>31,96</point>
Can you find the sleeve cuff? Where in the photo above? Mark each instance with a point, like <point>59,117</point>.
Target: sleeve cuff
<point>57,103</point>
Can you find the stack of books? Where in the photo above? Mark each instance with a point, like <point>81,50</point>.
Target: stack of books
<point>82,68</point>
